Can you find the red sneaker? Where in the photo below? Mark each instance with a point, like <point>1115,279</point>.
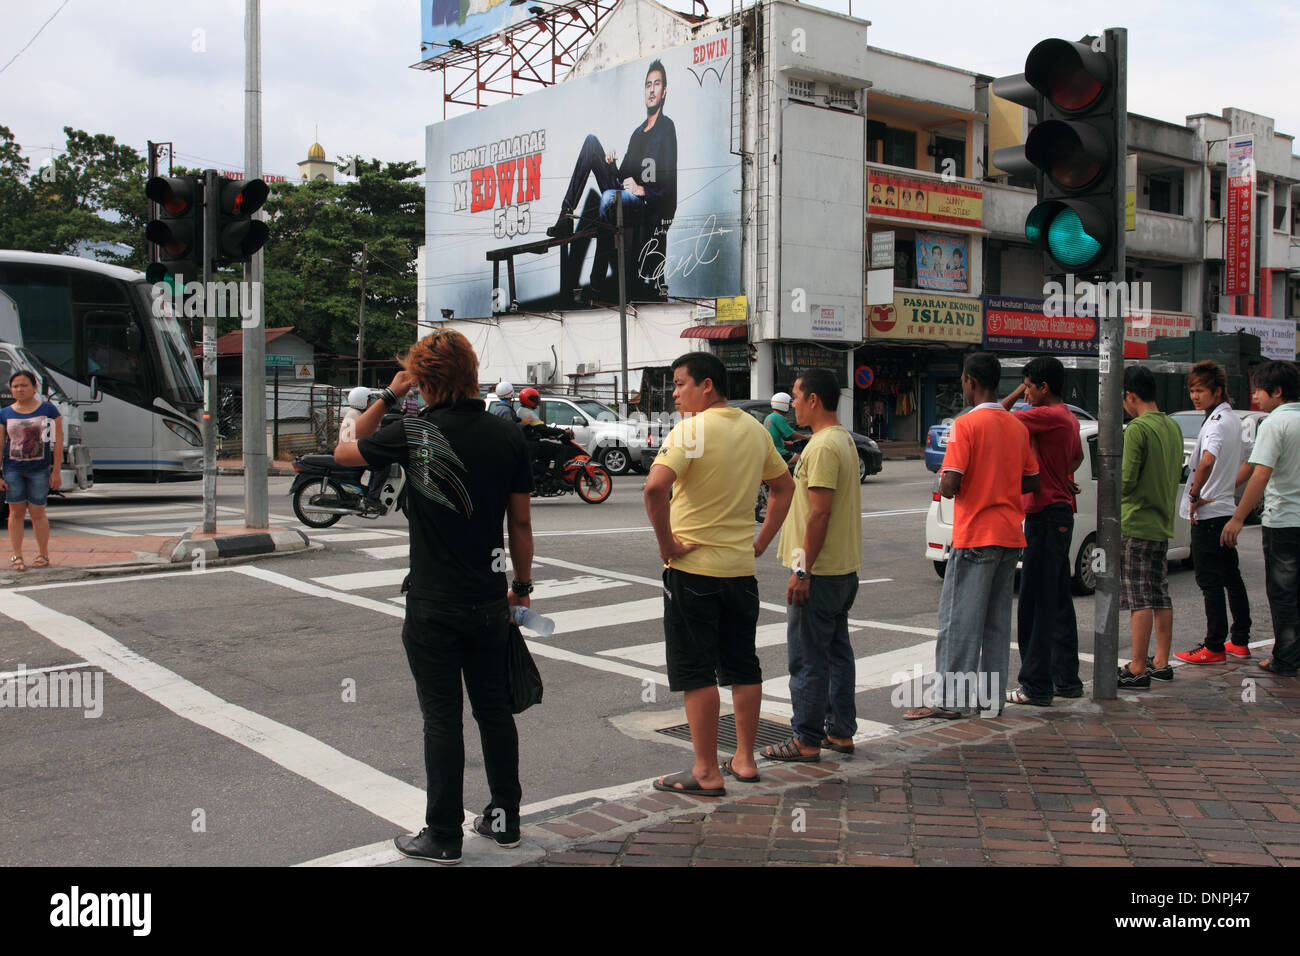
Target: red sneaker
<point>1237,650</point>
<point>1201,654</point>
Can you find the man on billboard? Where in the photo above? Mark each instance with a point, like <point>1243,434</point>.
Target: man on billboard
<point>647,175</point>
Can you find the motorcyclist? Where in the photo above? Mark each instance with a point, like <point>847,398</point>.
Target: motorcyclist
<point>503,409</point>
<point>544,441</point>
<point>783,435</point>
<point>359,399</point>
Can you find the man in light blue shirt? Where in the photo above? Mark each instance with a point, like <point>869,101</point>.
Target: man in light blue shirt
<point>1274,473</point>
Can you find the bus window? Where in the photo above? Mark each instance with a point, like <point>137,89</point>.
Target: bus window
<point>44,303</point>
<point>112,343</point>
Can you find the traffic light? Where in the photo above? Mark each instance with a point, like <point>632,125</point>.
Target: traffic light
<point>177,233</point>
<point>1075,153</point>
<point>239,235</point>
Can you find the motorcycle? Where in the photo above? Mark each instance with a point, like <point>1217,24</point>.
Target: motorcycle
<point>579,474</point>
<point>760,506</point>
<point>324,491</point>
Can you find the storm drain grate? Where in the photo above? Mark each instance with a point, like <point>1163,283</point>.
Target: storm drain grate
<point>769,732</point>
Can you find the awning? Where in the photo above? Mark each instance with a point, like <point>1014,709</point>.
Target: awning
<point>739,330</point>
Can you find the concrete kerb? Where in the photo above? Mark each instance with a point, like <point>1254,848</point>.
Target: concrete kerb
<point>902,747</point>
<point>241,545</point>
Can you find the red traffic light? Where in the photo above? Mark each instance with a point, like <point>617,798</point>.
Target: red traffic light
<point>1072,75</point>
<point>175,194</point>
<point>1073,154</point>
<point>243,197</point>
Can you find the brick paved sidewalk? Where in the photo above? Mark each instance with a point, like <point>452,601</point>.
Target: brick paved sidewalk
<point>1187,774</point>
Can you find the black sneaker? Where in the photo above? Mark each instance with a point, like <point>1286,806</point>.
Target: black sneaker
<point>506,839</point>
<point>422,846</point>
<point>1129,680</point>
<point>1165,673</point>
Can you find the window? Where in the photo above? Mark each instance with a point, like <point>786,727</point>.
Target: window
<point>44,303</point>
<point>1281,195</point>
<point>804,90</point>
<point>953,149</point>
<point>1216,194</point>
<point>842,98</point>
<point>112,343</point>
<point>559,414</point>
<point>891,146</point>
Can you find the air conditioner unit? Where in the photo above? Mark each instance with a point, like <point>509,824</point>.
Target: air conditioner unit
<point>540,372</point>
<point>586,368</point>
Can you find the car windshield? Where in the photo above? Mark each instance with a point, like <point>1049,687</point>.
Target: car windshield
<point>1190,423</point>
<point>181,384</point>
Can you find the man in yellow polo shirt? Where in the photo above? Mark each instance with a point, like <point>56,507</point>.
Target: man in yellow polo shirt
<point>712,462</point>
<point>821,544</point>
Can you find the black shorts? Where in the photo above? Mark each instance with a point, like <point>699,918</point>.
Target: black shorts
<point>709,630</point>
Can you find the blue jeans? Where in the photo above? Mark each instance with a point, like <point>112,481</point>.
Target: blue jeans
<point>1282,583</point>
<point>817,645</point>
<point>974,645</point>
<point>609,198</point>
<point>30,487</point>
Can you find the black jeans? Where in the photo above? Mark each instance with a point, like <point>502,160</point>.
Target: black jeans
<point>1046,629</point>
<point>1218,570</point>
<point>591,162</point>
<point>442,640</point>
<point>1282,571</point>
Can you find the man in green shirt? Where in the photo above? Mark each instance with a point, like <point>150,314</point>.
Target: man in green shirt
<point>1153,464</point>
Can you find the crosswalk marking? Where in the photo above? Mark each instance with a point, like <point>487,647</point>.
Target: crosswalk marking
<point>383,554</point>
<point>765,635</point>
<point>377,533</point>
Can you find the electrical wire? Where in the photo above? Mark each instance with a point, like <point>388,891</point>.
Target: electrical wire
<point>34,36</point>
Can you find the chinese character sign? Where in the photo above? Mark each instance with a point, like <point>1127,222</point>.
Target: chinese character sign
<point>1239,225</point>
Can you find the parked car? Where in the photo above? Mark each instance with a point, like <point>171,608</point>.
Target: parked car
<point>1190,422</point>
<point>938,522</point>
<point>617,444</point>
<point>936,440</point>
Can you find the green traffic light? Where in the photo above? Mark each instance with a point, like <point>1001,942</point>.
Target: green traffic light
<point>1068,241</point>
<point>1037,222</point>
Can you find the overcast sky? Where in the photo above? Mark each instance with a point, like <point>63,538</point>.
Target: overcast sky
<point>174,69</point>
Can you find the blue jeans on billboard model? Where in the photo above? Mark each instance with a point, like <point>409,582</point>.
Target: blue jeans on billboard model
<point>820,656</point>
<point>973,651</point>
<point>1046,628</point>
<point>591,161</point>
<point>1282,583</point>
<point>442,641</point>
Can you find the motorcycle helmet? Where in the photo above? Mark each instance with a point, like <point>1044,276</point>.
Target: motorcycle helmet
<point>529,398</point>
<point>504,391</point>
<point>359,398</point>
<point>781,402</point>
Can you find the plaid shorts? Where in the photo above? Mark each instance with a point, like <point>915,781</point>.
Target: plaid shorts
<point>1144,575</point>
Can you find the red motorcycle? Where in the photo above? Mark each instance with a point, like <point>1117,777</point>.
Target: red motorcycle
<point>578,473</point>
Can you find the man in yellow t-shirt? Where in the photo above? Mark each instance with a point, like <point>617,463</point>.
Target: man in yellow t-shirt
<point>821,544</point>
<point>712,462</point>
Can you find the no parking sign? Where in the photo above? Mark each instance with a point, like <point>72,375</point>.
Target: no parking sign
<point>863,377</point>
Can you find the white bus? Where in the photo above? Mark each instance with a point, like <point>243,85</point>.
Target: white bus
<point>88,320</point>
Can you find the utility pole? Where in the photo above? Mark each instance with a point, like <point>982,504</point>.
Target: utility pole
<point>254,332</point>
<point>622,303</point>
<point>361,319</point>
<point>211,213</point>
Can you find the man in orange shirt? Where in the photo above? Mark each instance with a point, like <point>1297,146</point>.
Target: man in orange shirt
<point>987,466</point>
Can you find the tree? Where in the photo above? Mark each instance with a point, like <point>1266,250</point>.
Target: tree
<point>314,254</point>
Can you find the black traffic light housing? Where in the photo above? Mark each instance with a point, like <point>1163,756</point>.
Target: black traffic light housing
<point>1075,153</point>
<point>177,233</point>
<point>239,235</point>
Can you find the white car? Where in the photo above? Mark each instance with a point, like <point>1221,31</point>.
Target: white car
<point>938,522</point>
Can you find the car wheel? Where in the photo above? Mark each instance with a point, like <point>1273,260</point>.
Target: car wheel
<point>862,468</point>
<point>615,460</point>
<point>1084,581</point>
<point>940,568</point>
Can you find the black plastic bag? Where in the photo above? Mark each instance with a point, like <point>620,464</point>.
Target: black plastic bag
<point>523,681</point>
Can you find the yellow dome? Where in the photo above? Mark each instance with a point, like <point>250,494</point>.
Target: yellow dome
<point>317,151</point>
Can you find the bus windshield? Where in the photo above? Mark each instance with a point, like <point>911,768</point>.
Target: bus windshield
<point>179,378</point>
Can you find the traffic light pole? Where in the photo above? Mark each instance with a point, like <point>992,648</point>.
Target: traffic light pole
<point>211,213</point>
<point>254,357</point>
<point>1110,436</point>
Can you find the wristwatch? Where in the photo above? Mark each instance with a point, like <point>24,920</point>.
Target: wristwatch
<point>800,573</point>
<point>389,397</point>
<point>1193,497</point>
<point>521,588</point>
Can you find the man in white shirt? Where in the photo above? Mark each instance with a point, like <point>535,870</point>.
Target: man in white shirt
<point>1208,499</point>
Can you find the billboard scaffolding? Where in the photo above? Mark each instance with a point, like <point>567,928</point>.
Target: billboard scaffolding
<point>517,59</point>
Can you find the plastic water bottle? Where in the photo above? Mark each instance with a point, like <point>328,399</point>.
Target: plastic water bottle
<point>527,617</point>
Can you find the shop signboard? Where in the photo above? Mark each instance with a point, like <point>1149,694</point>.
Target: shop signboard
<point>924,200</point>
<point>793,358</point>
<point>1017,324</point>
<point>1276,336</point>
<point>1239,227</point>
<point>924,317</point>
<point>941,262</point>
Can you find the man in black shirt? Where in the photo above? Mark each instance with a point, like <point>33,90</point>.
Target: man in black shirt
<point>466,471</point>
<point>647,175</point>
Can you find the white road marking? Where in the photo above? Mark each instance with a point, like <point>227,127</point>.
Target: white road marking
<point>386,797</point>
<point>87,529</point>
<point>558,534</point>
<point>392,551</point>
<point>656,655</point>
<point>14,675</point>
<point>874,580</point>
<point>391,578</point>
<point>891,514</point>
<point>111,510</point>
<point>609,615</point>
<point>349,535</point>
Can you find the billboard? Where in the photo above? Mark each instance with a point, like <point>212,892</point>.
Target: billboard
<point>941,262</point>
<point>947,320</point>
<point>1018,324</point>
<point>1276,336</point>
<point>465,20</point>
<point>925,200</point>
<point>529,171</point>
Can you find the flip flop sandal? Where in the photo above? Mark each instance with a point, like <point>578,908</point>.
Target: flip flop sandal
<point>828,744</point>
<point>42,561</point>
<point>1018,696</point>
<point>688,785</point>
<point>789,751</point>
<point>16,563</point>
<point>727,769</point>
<point>922,713</point>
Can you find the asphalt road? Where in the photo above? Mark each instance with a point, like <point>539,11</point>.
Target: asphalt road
<point>263,713</point>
